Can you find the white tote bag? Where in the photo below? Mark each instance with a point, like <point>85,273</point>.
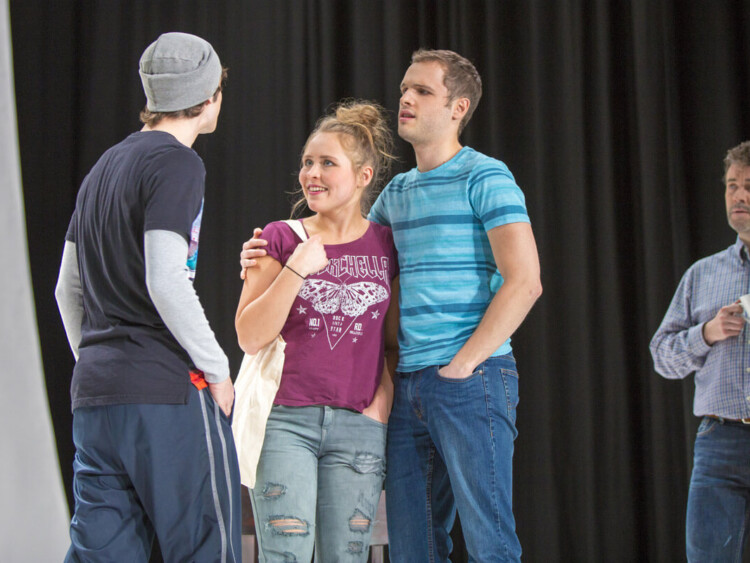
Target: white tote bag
<point>254,391</point>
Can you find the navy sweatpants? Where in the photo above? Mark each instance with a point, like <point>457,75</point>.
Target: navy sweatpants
<point>165,469</point>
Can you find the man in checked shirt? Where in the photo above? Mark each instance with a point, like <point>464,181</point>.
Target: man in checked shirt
<point>704,332</point>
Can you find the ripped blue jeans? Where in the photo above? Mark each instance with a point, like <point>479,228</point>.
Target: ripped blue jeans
<point>318,484</point>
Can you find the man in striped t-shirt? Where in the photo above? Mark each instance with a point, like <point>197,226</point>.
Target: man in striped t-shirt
<point>469,275</point>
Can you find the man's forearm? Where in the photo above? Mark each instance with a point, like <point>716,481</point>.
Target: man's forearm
<point>506,312</point>
<point>677,352</point>
<point>515,253</point>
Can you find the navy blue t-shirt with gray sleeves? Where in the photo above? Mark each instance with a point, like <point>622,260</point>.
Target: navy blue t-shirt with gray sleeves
<point>148,181</point>
<point>440,219</point>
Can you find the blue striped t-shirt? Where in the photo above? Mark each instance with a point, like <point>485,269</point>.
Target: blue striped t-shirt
<point>448,274</point>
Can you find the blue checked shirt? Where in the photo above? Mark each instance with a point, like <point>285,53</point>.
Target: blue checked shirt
<point>722,371</point>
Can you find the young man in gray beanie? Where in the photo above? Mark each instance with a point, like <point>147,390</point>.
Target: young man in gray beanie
<point>151,391</point>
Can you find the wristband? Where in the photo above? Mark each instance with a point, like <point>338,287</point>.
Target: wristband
<point>295,271</point>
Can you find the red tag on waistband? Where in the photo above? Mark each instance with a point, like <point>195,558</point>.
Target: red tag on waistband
<point>197,379</point>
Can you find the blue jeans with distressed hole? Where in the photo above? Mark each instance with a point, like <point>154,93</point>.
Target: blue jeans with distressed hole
<point>450,446</point>
<point>718,510</point>
<point>318,484</point>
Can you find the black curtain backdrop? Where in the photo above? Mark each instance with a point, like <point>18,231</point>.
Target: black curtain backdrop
<point>613,116</point>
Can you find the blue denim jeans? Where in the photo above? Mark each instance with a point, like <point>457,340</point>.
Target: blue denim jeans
<point>718,511</point>
<point>450,446</point>
<point>318,484</point>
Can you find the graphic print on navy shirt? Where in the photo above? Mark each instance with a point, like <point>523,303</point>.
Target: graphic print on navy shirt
<point>338,302</point>
<point>195,232</point>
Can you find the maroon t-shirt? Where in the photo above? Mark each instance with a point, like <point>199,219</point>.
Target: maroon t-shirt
<point>335,330</point>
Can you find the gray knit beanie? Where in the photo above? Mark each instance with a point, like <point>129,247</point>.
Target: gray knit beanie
<point>179,71</point>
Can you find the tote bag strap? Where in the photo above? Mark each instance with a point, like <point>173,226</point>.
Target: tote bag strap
<point>296,226</point>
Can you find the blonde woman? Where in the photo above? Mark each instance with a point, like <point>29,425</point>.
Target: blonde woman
<point>333,298</point>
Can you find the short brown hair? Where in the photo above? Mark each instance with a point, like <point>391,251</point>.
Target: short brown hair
<point>461,77</point>
<point>152,118</point>
<point>739,155</point>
